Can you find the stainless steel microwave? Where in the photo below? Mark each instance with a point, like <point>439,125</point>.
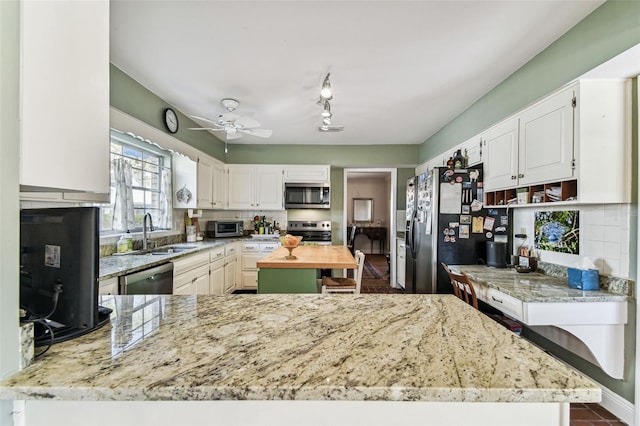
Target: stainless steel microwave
<point>225,228</point>
<point>306,196</point>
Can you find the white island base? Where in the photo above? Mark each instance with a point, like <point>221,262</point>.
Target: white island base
<point>289,413</point>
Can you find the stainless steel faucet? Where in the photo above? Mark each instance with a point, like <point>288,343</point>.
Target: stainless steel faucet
<point>144,229</point>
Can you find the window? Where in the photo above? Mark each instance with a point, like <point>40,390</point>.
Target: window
<point>146,189</point>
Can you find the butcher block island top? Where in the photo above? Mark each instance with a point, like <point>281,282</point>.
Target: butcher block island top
<point>310,257</point>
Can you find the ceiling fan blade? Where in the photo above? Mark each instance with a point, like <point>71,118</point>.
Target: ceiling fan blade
<point>205,119</point>
<point>231,136</point>
<point>247,122</point>
<point>206,128</point>
<point>261,133</point>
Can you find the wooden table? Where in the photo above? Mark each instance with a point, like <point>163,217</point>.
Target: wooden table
<point>278,275</point>
<point>374,233</point>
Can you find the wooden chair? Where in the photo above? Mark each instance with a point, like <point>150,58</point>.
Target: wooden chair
<point>345,285</point>
<point>351,244</point>
<point>462,286</point>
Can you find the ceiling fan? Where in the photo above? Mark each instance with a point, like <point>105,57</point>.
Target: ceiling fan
<point>233,124</point>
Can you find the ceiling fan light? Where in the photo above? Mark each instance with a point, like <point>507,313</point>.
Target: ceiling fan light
<point>326,112</point>
<point>326,121</point>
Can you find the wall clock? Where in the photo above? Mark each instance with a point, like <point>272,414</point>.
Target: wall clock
<point>171,120</point>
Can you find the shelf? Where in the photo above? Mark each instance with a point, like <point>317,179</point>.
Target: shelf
<point>556,193</point>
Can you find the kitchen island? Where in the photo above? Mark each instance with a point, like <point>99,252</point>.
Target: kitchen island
<point>297,359</point>
<point>277,274</point>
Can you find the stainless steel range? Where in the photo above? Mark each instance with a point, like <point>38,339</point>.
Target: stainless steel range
<point>314,232</point>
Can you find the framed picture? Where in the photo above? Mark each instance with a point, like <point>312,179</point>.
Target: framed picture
<point>465,219</point>
<point>558,231</point>
<point>465,209</point>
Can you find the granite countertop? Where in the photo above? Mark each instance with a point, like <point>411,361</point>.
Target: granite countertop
<point>121,264</point>
<point>299,347</point>
<point>534,286</point>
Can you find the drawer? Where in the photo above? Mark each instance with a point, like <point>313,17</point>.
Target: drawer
<point>190,276</point>
<point>216,263</point>
<point>216,253</point>
<point>268,247</point>
<point>187,263</point>
<point>508,305</point>
<point>230,250</point>
<point>250,247</point>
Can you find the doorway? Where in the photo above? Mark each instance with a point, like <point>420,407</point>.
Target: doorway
<point>370,206</point>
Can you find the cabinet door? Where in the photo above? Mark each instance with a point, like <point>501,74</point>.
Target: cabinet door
<point>307,173</point>
<point>216,278</point>
<point>219,194</point>
<point>501,165</point>
<point>400,263</point>
<point>241,184</point>
<point>109,286</point>
<point>249,280</point>
<point>202,283</point>
<point>64,95</point>
<point>473,148</point>
<point>185,175</point>
<point>205,181</point>
<point>269,188</point>
<point>230,275</point>
<point>546,140</point>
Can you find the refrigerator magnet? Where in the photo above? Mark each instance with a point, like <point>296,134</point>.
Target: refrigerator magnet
<point>446,231</point>
<point>501,238</point>
<point>476,206</point>
<point>464,231</point>
<point>476,225</point>
<point>488,223</point>
<point>465,209</point>
<point>465,219</point>
<point>453,224</point>
<point>446,239</point>
<point>504,220</point>
<point>452,239</point>
<point>489,234</point>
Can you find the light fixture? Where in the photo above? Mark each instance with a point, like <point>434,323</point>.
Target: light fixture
<point>326,112</point>
<point>325,92</point>
<point>326,121</point>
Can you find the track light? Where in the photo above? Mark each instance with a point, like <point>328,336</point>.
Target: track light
<point>325,92</point>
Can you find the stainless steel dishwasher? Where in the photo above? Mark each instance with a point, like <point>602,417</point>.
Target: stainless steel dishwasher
<point>156,280</point>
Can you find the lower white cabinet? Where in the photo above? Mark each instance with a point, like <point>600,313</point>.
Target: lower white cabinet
<point>222,269</point>
<point>400,262</point>
<point>230,266</point>
<point>191,274</point>
<point>108,286</point>
<point>251,253</point>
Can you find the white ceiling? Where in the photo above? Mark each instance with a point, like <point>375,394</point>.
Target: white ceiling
<point>400,70</point>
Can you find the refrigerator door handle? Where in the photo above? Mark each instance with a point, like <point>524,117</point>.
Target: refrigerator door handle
<point>412,234</point>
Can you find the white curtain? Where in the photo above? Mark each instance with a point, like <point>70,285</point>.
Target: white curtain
<point>164,221</point>
<point>123,204</point>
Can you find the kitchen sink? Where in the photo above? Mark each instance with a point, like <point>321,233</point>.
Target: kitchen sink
<point>173,249</point>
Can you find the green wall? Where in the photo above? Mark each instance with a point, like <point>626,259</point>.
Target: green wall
<point>611,29</point>
<point>401,196</point>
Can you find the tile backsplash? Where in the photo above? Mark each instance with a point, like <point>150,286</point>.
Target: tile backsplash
<point>604,236</point>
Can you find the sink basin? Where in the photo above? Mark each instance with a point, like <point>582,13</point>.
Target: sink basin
<point>167,249</point>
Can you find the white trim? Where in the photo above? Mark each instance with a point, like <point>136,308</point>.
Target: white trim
<point>617,405</point>
<point>393,182</point>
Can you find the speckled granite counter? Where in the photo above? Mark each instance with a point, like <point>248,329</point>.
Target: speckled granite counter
<point>299,347</point>
<point>534,286</point>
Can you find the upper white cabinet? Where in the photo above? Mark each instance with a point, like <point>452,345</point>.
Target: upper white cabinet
<point>474,150</point>
<point>184,181</point>
<point>545,142</point>
<point>501,165</point>
<point>255,187</point>
<point>211,183</point>
<point>307,173</point>
<point>566,140</point>
<point>65,96</point>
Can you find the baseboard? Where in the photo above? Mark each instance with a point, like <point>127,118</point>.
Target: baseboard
<point>617,405</point>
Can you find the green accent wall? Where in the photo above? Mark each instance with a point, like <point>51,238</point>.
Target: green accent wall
<point>401,196</point>
<point>610,30</point>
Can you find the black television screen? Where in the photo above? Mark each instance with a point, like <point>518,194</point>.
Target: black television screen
<point>59,255</point>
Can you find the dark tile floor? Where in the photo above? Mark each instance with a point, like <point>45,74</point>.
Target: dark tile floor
<point>592,415</point>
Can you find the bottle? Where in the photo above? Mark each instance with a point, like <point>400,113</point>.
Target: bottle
<point>458,160</point>
<point>450,163</point>
<point>121,245</point>
<point>129,239</point>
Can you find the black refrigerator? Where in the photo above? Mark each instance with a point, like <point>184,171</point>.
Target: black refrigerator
<point>447,222</point>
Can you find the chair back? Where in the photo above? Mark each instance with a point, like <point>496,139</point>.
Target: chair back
<point>462,286</point>
<point>358,272</point>
<point>352,240</point>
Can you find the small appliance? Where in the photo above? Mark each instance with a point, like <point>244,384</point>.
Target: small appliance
<point>306,195</point>
<point>224,228</point>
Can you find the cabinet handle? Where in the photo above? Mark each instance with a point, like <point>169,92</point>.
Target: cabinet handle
<point>520,175</point>
<point>513,177</point>
<point>496,300</point>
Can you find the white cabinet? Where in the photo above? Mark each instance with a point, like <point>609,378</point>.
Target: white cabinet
<point>185,181</point>
<point>64,93</point>
<point>400,262</point>
<point>473,149</point>
<point>545,142</point>
<point>255,187</point>
<point>307,173</point>
<point>501,165</point>
<point>216,271</point>
<point>108,286</point>
<point>211,183</point>
<point>230,268</point>
<point>251,253</point>
<point>191,274</point>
